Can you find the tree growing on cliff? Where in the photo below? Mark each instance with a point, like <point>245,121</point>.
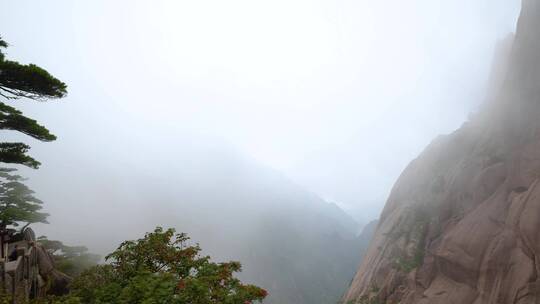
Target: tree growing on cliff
<point>17,203</point>
<point>163,268</point>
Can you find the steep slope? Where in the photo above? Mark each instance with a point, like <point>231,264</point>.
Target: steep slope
<point>462,224</point>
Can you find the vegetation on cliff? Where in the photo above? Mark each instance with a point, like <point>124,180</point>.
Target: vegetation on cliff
<point>17,203</point>
<point>29,82</point>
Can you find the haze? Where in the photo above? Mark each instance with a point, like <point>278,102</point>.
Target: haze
<point>337,96</point>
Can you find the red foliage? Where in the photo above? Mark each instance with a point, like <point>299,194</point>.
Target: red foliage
<point>181,284</point>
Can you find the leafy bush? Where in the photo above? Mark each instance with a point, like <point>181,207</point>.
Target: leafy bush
<point>162,268</point>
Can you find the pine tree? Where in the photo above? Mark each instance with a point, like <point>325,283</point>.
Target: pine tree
<point>30,82</point>
<point>17,203</point>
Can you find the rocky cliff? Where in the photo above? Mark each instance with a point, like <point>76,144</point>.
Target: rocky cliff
<point>462,224</point>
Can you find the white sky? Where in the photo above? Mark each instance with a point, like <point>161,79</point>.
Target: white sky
<point>339,95</point>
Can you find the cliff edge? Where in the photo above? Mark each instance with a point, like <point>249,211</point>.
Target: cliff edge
<point>462,223</point>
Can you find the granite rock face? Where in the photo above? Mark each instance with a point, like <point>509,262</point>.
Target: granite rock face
<point>54,282</point>
<point>462,224</point>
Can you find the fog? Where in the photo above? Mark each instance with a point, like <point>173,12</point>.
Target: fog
<point>176,107</point>
<point>324,91</point>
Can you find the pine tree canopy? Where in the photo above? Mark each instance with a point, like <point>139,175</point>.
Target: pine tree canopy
<point>13,119</point>
<point>4,45</point>
<point>17,202</point>
<point>24,81</point>
<point>15,153</point>
<point>28,81</point>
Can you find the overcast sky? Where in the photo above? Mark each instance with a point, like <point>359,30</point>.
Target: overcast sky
<point>338,95</point>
